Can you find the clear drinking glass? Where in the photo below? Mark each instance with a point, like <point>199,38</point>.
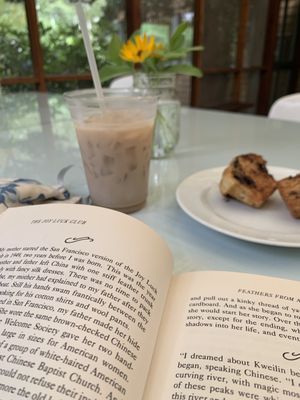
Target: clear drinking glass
<point>115,138</point>
<point>167,123</point>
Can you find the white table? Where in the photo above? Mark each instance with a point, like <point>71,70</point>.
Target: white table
<point>38,139</point>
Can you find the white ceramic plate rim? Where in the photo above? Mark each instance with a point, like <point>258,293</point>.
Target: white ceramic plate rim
<point>192,196</point>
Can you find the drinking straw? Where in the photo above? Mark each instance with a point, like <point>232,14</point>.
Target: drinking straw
<point>89,50</point>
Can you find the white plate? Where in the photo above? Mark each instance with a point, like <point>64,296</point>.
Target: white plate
<point>199,196</point>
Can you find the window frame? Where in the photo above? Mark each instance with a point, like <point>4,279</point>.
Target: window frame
<point>133,16</point>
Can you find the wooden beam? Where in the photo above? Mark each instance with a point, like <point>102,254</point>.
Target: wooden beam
<point>18,80</point>
<point>88,77</point>
<point>68,77</point>
<point>35,45</point>
<point>232,70</point>
<point>133,15</point>
<point>197,41</point>
<point>49,78</point>
<point>268,57</point>
<point>240,50</point>
<point>296,58</point>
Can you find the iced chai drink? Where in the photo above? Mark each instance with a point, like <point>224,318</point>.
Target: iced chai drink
<point>115,141</point>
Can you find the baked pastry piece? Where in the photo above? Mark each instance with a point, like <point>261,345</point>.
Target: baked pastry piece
<point>289,189</point>
<point>246,179</point>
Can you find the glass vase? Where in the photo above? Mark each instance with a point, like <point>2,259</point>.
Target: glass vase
<point>167,123</point>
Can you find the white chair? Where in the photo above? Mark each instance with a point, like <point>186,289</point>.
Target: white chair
<point>286,107</point>
<point>122,83</point>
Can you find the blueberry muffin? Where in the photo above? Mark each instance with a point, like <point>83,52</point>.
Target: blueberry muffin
<point>289,189</point>
<point>247,180</point>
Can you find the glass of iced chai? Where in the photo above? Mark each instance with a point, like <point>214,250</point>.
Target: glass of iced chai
<point>115,138</point>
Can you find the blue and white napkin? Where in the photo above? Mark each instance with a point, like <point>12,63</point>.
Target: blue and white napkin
<point>21,192</point>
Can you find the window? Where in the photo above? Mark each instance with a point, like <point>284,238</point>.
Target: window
<point>251,54</point>
<point>15,58</point>
<point>48,51</point>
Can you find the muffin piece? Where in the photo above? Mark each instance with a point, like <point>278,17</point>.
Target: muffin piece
<point>289,189</point>
<point>246,179</point>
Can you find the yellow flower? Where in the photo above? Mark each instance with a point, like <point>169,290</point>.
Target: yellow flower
<point>141,48</point>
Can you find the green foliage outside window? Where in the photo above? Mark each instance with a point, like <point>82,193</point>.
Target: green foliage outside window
<point>63,49</point>
<point>14,44</point>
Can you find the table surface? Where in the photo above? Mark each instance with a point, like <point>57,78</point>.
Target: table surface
<point>38,139</point>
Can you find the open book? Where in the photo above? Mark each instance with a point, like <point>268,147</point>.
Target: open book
<point>89,310</point>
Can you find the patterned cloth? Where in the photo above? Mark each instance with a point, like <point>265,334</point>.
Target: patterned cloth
<point>20,192</point>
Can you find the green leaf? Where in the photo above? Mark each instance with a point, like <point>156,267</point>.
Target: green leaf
<point>185,69</point>
<point>194,48</point>
<point>113,71</point>
<point>177,44</point>
<point>113,51</point>
<point>177,38</point>
<point>150,65</point>
<point>173,55</point>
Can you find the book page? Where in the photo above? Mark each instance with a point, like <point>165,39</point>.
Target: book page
<point>82,290</point>
<point>228,336</point>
